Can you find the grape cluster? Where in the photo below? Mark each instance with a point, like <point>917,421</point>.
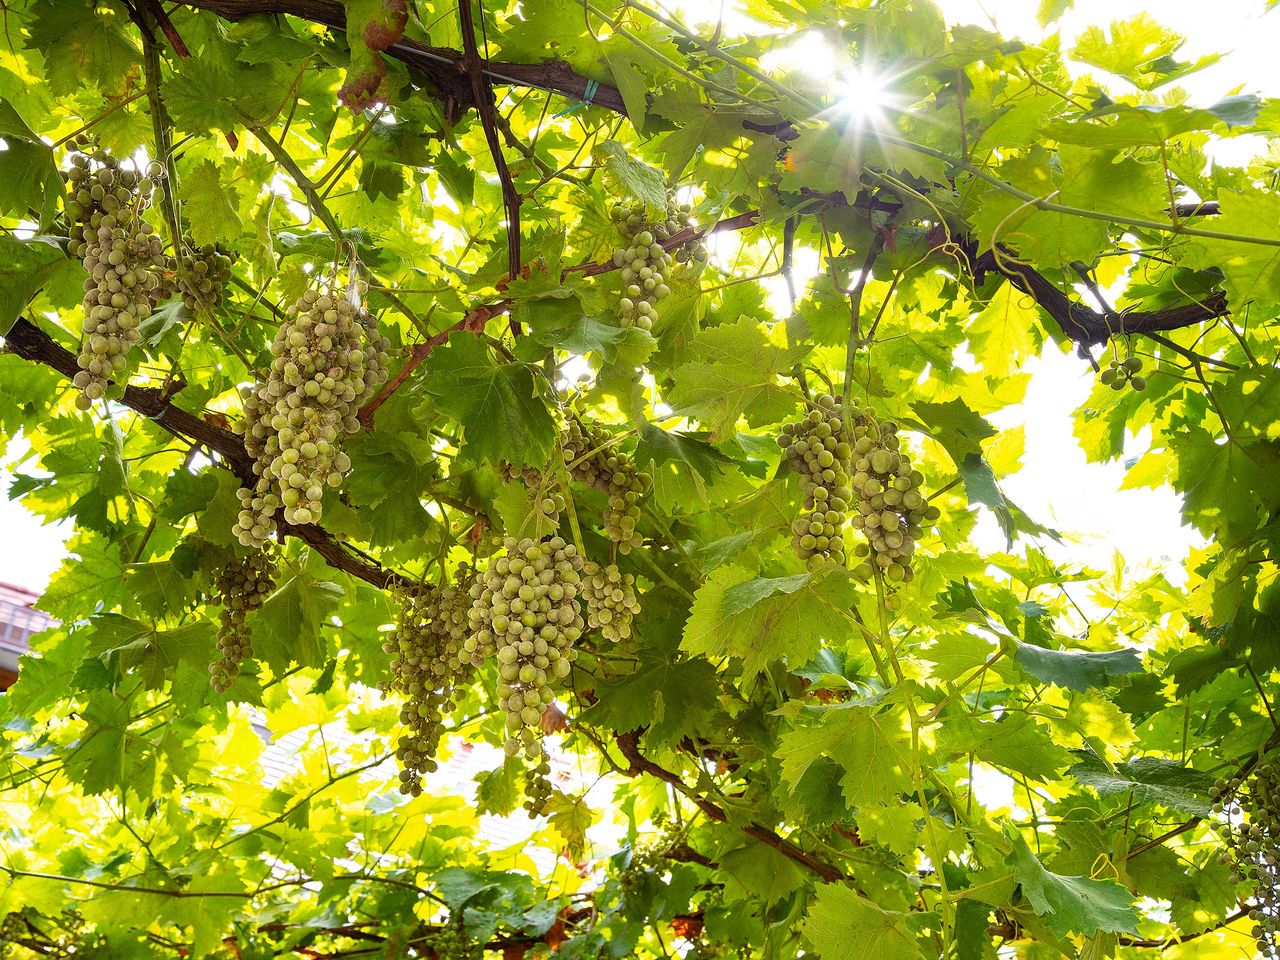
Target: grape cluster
<point>611,600</point>
<point>241,587</point>
<point>890,507</point>
<point>525,613</point>
<point>546,502</point>
<point>204,274</point>
<point>123,261</point>
<point>1121,372</point>
<point>327,359</point>
<point>427,664</point>
<point>537,785</point>
<point>1250,810</point>
<point>593,459</point>
<point>449,942</point>
<point>818,450</point>
<point>646,264</point>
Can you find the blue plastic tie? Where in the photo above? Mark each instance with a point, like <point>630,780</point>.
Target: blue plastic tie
<point>589,94</point>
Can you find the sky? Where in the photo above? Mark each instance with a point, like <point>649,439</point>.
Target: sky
<point>1055,485</point>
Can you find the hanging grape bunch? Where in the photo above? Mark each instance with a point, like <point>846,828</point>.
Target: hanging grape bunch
<point>327,359</point>
<point>1250,811</point>
<point>546,502</point>
<point>241,587</point>
<point>890,508</point>
<point>593,459</point>
<point>1122,372</point>
<point>426,666</point>
<point>646,265</point>
<point>611,600</point>
<point>817,449</point>
<point>123,261</point>
<point>202,274</point>
<point>537,785</point>
<point>525,613</point>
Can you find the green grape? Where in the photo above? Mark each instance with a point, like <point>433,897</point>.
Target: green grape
<point>525,614</point>
<point>646,265</point>
<point>817,450</point>
<point>427,666</point>
<point>123,261</point>
<point>593,459</point>
<point>328,358</point>
<point>1247,810</point>
<point>611,600</point>
<point>241,587</point>
<point>203,275</point>
<point>537,785</point>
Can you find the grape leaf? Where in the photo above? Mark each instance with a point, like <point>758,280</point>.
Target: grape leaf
<point>844,925</point>
<point>1149,780</point>
<point>1077,669</point>
<point>1069,905</point>
<point>501,415</point>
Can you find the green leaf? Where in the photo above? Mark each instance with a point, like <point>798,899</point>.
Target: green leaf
<point>25,268</point>
<point>844,925</point>
<point>1077,669</point>
<point>211,208</point>
<point>501,414</point>
<point>1069,905</point>
<point>681,464</point>
<point>288,627</point>
<point>633,177</point>
<point>1140,50</point>
<point>85,42</point>
<point>872,746</point>
<point>1149,780</point>
<point>28,172</point>
<point>759,620</point>
<point>1016,743</point>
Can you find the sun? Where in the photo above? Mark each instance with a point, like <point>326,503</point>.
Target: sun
<point>863,94</point>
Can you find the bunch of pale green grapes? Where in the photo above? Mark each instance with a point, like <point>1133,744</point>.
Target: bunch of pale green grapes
<point>890,507</point>
<point>327,359</point>
<point>426,667</point>
<point>525,613</point>
<point>123,261</point>
<point>203,274</point>
<point>611,600</point>
<point>593,459</point>
<point>646,265</point>
<point>1121,372</point>
<point>241,587</point>
<point>537,785</point>
<point>818,450</point>
<point>1249,808</point>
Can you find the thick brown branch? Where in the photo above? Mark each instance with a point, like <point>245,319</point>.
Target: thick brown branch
<point>489,120</point>
<point>629,744</point>
<point>29,342</point>
<point>442,66</point>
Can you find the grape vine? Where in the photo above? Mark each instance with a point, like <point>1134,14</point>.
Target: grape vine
<point>327,359</point>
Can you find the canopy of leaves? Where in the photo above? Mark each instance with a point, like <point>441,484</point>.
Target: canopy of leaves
<point>1007,750</point>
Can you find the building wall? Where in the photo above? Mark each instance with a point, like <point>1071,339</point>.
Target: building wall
<point>18,620</point>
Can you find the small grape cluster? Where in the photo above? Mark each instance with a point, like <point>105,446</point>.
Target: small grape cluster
<point>546,502</point>
<point>123,260</point>
<point>449,942</point>
<point>204,274</point>
<point>537,785</point>
<point>327,359</point>
<point>1121,372</point>
<point>1250,810</point>
<point>241,587</point>
<point>593,459</point>
<point>889,505</point>
<point>611,600</point>
<point>426,648</point>
<point>818,450</point>
<point>525,613</point>
<point>646,264</point>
